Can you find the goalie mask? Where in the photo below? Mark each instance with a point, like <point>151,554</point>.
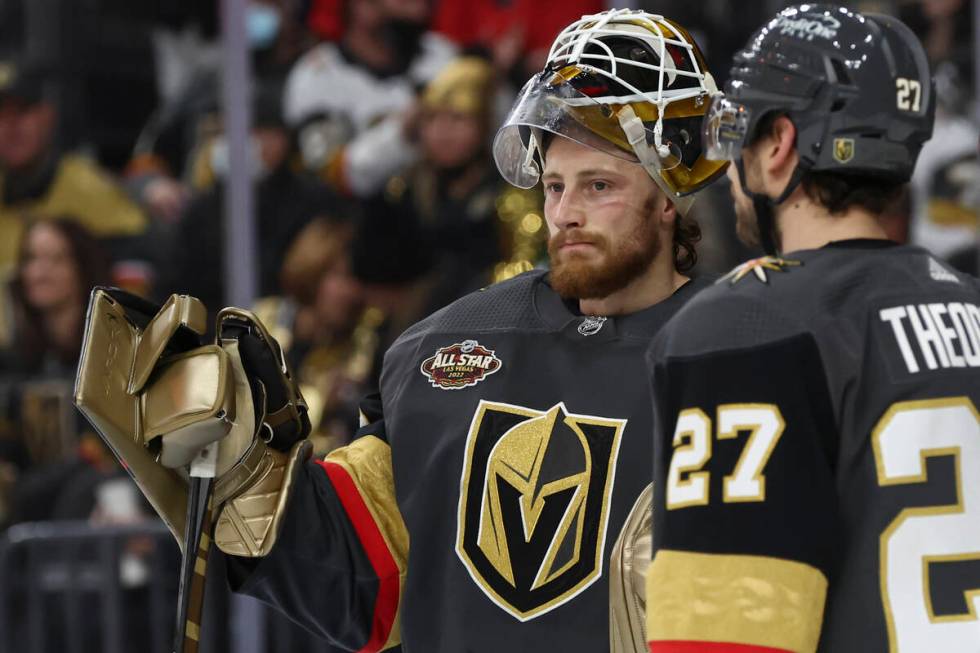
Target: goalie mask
<point>627,83</point>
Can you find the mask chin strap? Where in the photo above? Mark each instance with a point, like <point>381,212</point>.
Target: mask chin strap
<point>765,206</point>
<point>649,155</point>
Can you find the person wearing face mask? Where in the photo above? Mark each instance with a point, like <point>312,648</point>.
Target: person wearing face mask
<point>285,202</point>
<point>162,170</point>
<point>386,52</point>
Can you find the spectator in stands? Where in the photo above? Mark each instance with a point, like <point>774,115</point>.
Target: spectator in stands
<point>518,33</point>
<point>958,194</point>
<point>161,170</point>
<point>946,31</point>
<point>52,466</point>
<point>284,202</point>
<point>347,99</point>
<point>327,333</point>
<point>58,263</point>
<point>452,208</point>
<point>37,179</point>
<point>946,199</point>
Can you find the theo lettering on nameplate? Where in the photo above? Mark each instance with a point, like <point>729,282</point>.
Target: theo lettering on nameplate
<point>936,335</point>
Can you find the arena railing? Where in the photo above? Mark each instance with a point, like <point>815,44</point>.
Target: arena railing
<point>73,587</point>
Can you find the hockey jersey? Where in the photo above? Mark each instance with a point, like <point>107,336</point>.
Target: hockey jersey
<point>817,458</point>
<point>478,512</point>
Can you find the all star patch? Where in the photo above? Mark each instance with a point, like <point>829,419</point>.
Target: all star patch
<point>758,267</point>
<point>460,365</point>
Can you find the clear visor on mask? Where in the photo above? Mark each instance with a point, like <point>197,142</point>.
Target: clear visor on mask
<point>550,104</point>
<point>725,128</point>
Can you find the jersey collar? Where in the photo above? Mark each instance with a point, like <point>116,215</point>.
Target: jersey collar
<point>561,315</point>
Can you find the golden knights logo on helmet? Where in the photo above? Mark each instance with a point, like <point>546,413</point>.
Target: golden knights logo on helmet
<point>534,502</point>
<point>843,149</point>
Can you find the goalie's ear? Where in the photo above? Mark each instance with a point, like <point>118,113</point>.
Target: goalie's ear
<point>280,406</point>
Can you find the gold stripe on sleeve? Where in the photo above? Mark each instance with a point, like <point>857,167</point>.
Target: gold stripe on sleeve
<point>739,599</point>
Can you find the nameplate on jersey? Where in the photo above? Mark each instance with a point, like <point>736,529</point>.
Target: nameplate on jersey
<point>932,336</point>
<point>534,503</point>
<point>460,365</point>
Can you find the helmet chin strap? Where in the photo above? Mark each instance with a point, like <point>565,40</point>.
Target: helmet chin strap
<point>649,155</point>
<point>765,206</point>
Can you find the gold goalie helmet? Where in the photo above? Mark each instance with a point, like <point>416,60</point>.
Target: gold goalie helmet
<point>628,83</point>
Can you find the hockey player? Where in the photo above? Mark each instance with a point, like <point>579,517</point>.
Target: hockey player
<point>817,443</point>
<point>477,506</point>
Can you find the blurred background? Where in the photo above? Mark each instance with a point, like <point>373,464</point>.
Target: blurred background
<point>325,163</point>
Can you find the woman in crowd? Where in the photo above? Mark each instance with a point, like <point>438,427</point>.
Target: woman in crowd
<point>46,454</point>
<point>327,332</point>
<point>58,263</point>
<point>450,216</point>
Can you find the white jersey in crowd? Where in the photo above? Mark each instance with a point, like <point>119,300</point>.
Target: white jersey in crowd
<point>324,81</point>
<point>944,189</point>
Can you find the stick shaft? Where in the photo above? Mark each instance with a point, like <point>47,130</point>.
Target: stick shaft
<point>193,567</point>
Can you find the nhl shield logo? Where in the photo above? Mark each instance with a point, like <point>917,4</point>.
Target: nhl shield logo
<point>460,365</point>
<point>843,149</point>
<point>534,504</point>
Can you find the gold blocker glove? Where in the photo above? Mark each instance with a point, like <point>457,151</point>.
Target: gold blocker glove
<point>163,400</point>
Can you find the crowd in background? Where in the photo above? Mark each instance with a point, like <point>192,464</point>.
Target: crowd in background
<point>376,198</point>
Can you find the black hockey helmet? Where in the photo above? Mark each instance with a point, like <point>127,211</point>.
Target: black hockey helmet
<point>856,87</point>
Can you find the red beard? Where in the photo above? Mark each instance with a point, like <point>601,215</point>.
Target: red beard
<point>609,268</point>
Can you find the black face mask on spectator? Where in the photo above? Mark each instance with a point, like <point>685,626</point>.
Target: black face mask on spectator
<point>405,37</point>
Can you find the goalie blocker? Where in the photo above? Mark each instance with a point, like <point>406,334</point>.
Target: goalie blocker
<point>158,396</point>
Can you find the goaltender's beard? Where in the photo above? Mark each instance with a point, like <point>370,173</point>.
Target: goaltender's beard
<point>588,276</point>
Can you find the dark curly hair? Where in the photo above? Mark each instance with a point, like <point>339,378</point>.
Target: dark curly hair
<point>687,234</point>
<point>835,191</point>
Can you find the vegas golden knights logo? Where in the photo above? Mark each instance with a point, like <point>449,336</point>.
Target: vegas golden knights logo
<point>843,149</point>
<point>534,501</point>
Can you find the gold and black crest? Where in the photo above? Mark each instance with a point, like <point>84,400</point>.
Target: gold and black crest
<point>534,501</point>
<point>843,150</point>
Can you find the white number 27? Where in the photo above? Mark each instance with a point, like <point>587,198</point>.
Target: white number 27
<point>908,94</point>
<point>687,485</point>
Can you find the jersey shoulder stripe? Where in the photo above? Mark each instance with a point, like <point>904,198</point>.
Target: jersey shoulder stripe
<point>361,475</point>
